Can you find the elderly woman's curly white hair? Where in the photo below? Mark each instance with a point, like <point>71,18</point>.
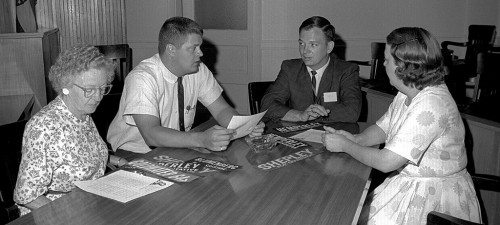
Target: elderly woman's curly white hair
<point>76,60</point>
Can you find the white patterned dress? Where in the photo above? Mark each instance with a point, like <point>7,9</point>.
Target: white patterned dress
<point>58,149</point>
<point>430,134</point>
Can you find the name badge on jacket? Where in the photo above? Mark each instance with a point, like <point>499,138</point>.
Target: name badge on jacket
<point>330,97</point>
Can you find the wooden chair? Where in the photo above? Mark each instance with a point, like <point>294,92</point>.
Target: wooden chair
<point>257,90</point>
<point>376,64</point>
<point>481,182</point>
<point>480,38</point>
<point>11,136</point>
<point>487,82</point>
<point>436,218</point>
<point>122,54</point>
<point>105,113</point>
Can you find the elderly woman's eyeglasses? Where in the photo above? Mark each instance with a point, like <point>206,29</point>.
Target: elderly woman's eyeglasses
<point>89,92</point>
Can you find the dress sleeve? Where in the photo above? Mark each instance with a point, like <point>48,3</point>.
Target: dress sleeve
<point>34,174</point>
<point>419,128</point>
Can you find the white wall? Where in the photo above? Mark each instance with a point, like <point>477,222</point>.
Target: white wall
<point>144,20</point>
<point>359,22</point>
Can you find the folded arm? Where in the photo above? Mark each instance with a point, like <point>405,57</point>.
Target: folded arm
<point>216,138</point>
<point>356,146</point>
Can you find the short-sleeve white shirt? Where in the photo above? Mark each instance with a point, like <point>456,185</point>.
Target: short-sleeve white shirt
<point>151,89</point>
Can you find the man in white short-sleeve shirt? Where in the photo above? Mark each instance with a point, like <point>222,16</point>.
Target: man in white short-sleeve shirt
<point>148,115</point>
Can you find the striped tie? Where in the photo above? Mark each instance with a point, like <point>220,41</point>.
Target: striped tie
<point>313,80</point>
<point>180,99</point>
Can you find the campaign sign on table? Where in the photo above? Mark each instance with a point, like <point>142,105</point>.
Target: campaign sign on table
<point>287,151</point>
<point>293,128</point>
<point>156,170</point>
<point>178,170</point>
<point>214,164</point>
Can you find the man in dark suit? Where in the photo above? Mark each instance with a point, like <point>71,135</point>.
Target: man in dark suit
<point>318,85</point>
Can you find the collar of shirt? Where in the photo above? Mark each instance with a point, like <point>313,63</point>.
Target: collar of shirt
<point>165,72</point>
<point>319,73</point>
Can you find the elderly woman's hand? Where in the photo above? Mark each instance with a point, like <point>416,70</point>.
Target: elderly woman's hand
<point>117,161</point>
<point>335,141</point>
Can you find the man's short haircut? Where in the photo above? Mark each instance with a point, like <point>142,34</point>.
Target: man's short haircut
<point>175,30</point>
<point>321,23</point>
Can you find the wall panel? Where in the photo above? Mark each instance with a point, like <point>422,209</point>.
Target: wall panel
<point>96,22</point>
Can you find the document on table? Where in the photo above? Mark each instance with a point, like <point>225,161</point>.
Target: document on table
<point>310,135</point>
<point>123,186</point>
<point>244,124</point>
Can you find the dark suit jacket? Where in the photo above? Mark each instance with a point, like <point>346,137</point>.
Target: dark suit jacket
<point>292,90</point>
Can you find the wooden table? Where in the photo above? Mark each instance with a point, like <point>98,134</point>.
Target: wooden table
<point>328,188</point>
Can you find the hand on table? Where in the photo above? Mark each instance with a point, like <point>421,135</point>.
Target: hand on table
<point>258,130</point>
<point>313,112</point>
<point>336,140</point>
<point>117,161</point>
<point>342,132</point>
<point>217,138</point>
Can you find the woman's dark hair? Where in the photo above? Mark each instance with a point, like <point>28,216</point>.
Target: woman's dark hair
<point>417,56</point>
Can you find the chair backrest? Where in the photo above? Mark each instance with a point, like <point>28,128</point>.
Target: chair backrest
<point>481,34</point>
<point>256,91</point>
<point>376,63</point>
<point>11,138</point>
<point>487,82</point>
<point>377,71</point>
<point>105,113</point>
<point>481,182</point>
<point>480,38</point>
<point>122,54</point>
<point>436,218</point>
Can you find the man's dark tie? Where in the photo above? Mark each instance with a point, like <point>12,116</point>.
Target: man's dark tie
<point>180,99</point>
<point>313,80</point>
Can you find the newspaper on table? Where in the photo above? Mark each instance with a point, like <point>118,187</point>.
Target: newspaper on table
<point>123,186</point>
<point>310,135</point>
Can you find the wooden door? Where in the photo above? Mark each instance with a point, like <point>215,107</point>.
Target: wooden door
<point>231,44</point>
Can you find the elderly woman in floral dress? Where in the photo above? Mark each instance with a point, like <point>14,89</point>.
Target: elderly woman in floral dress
<point>61,143</point>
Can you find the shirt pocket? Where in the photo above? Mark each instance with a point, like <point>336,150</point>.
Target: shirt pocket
<point>189,114</point>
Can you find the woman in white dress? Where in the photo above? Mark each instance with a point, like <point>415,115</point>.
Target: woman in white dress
<point>423,134</point>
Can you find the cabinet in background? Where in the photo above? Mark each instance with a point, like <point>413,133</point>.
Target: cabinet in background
<point>25,61</point>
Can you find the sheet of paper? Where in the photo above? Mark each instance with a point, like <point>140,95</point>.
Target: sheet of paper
<point>310,135</point>
<point>244,124</point>
<point>123,186</point>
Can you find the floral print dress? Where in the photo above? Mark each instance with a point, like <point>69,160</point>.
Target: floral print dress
<point>429,132</point>
<point>58,149</point>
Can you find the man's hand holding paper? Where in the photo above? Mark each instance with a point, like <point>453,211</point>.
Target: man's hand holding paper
<point>244,125</point>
